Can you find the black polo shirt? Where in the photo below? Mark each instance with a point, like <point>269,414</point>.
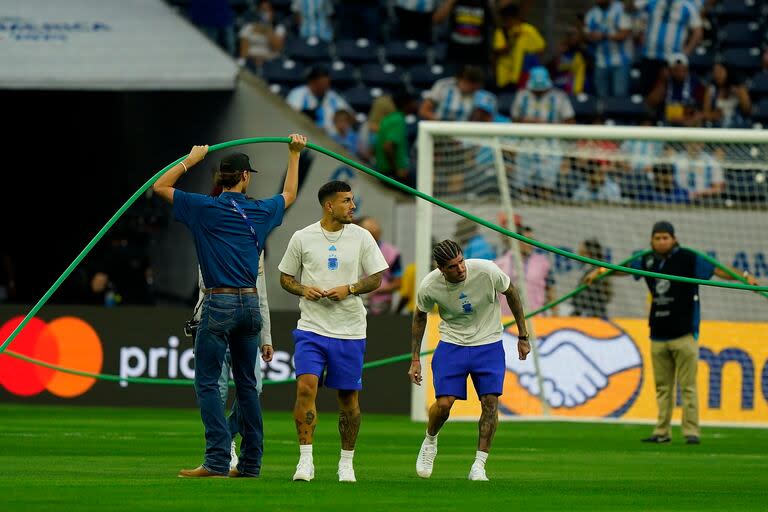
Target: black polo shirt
<point>675,310</point>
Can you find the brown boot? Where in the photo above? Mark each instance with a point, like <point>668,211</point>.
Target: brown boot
<point>200,472</point>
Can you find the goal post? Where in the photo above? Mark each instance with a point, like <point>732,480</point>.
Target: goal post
<point>599,189</point>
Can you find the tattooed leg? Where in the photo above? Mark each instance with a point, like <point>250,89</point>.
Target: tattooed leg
<point>489,418</point>
<point>305,413</point>
<point>349,418</point>
<point>438,414</point>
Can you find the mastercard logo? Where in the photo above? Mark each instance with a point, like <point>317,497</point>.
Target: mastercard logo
<point>67,341</point>
<point>589,368</point>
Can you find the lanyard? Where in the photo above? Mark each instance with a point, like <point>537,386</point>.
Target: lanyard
<point>247,223</point>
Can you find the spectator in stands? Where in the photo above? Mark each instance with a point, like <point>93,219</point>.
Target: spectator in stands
<point>726,100</point>
<point>317,100</point>
<point>485,109</point>
<point>679,95</point>
<point>346,134</point>
<point>664,188</point>
<point>673,27</point>
<point>610,29</point>
<point>313,18</point>
<point>569,66</point>
<point>539,279</point>
<point>593,301</point>
<point>261,39</point>
<point>360,19</point>
<point>473,243</point>
<point>414,19</point>
<point>518,47</point>
<point>698,172</point>
<point>538,168</point>
<point>217,20</point>
<point>381,107</point>
<point>470,26</point>
<point>392,156</point>
<point>379,301</point>
<point>451,99</point>
<point>598,186</point>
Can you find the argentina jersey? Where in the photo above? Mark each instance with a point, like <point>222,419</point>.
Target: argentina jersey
<point>314,18</point>
<point>416,5</point>
<point>696,173</point>
<point>302,100</point>
<point>450,103</point>
<point>609,22</point>
<point>669,22</point>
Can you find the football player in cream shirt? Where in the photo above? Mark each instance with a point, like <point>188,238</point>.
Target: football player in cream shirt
<point>329,264</point>
<point>466,295</point>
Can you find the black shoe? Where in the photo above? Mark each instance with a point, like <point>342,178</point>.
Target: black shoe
<point>692,440</point>
<point>656,439</point>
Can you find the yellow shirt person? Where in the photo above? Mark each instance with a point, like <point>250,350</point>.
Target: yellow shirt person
<point>521,39</point>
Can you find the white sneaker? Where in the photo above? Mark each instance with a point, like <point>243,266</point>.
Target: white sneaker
<point>346,473</point>
<point>233,460</point>
<point>305,470</point>
<point>426,459</point>
<point>478,473</point>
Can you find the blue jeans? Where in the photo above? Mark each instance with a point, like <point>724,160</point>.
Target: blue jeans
<point>234,420</point>
<point>234,321</point>
<point>612,81</point>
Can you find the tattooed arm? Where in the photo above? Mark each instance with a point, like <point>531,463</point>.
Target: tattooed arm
<point>418,326</point>
<point>365,285</point>
<point>290,285</point>
<point>516,306</point>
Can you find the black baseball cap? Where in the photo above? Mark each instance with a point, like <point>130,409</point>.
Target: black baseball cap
<point>663,227</point>
<point>235,162</point>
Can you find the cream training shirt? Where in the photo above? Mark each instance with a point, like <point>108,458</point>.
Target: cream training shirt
<point>470,311</point>
<point>324,259</point>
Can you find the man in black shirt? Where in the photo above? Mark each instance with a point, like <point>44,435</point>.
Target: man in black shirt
<point>674,322</point>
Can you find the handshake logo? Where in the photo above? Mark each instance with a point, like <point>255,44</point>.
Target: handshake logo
<point>576,368</point>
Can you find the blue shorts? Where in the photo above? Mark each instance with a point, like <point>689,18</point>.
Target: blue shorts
<point>342,359</point>
<point>452,364</point>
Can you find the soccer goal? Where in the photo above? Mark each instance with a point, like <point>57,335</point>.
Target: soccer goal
<point>597,191</point>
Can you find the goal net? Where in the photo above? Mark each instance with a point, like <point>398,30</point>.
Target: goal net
<point>597,191</point>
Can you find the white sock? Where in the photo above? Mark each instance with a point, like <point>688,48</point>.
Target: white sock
<point>346,456</point>
<point>305,450</point>
<point>481,457</point>
<point>431,439</point>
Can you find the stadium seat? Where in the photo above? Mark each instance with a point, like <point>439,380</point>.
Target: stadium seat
<point>280,90</point>
<point>624,109</point>
<point>424,76</point>
<point>405,53</point>
<point>759,87</point>
<point>746,185</point>
<point>740,35</point>
<point>744,60</point>
<point>283,71</point>
<point>505,101</point>
<point>310,51</point>
<point>439,51</point>
<point>387,76</point>
<point>701,61</point>
<point>360,98</point>
<point>735,10</point>
<point>357,51</point>
<point>343,76</point>
<point>585,107</point>
<point>760,112</point>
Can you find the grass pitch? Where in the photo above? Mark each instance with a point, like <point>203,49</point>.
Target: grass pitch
<point>67,459</point>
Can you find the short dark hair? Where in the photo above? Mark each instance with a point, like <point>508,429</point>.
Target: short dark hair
<point>317,71</point>
<point>510,11</point>
<point>401,97</point>
<point>472,74</point>
<point>594,248</point>
<point>445,251</point>
<point>331,188</point>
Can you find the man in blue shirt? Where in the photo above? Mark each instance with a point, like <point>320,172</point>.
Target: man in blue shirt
<point>674,321</point>
<point>229,232</point>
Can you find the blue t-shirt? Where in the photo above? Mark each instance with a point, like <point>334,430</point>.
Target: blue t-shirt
<point>225,246</point>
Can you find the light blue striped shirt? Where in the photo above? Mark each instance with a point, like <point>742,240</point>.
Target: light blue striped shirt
<point>699,172</point>
<point>551,107</point>
<point>609,22</point>
<point>302,99</point>
<point>450,104</point>
<point>669,22</point>
<point>315,18</point>
<point>416,5</point>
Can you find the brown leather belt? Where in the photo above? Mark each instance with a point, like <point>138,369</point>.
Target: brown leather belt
<point>232,291</point>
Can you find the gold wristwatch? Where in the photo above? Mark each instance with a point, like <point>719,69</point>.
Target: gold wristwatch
<point>352,289</point>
